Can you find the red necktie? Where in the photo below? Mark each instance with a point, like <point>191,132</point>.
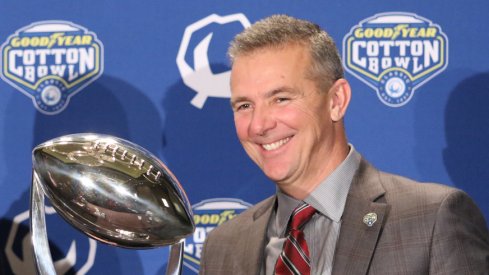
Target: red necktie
<point>294,258</point>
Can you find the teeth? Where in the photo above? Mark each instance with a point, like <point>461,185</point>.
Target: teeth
<point>275,145</point>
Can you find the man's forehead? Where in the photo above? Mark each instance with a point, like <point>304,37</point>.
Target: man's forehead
<point>268,62</point>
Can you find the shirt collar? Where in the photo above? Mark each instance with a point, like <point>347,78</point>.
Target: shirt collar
<point>328,198</point>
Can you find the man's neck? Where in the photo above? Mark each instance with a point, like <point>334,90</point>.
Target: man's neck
<point>305,185</point>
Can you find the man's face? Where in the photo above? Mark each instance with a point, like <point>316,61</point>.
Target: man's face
<point>282,120</point>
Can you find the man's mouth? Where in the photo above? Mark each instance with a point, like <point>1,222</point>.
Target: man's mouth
<point>275,145</point>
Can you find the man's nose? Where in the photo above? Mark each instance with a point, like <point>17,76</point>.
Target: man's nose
<point>262,121</point>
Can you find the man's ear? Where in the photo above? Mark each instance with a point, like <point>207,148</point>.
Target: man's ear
<point>340,94</point>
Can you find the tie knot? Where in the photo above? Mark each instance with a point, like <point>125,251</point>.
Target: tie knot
<point>301,215</point>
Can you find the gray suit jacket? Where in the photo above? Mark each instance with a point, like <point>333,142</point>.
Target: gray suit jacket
<point>421,229</point>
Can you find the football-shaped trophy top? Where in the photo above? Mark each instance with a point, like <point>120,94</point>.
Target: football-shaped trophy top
<point>113,190</point>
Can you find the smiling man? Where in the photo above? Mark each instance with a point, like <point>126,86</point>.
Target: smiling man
<point>333,213</point>
<point>281,118</point>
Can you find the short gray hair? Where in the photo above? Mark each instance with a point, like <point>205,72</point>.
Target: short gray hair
<point>282,30</point>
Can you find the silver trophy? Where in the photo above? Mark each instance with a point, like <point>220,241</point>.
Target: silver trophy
<point>112,190</point>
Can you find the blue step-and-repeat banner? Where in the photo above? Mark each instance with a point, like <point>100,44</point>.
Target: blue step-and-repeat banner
<point>156,73</point>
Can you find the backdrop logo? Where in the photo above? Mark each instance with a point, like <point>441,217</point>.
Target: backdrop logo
<point>50,61</point>
<point>25,264</point>
<point>208,214</point>
<point>200,77</point>
<point>395,53</point>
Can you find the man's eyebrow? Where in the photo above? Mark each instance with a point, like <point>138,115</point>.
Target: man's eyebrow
<point>268,94</point>
<point>279,90</point>
<point>238,99</point>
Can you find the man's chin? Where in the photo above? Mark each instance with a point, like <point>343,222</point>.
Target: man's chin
<point>277,176</point>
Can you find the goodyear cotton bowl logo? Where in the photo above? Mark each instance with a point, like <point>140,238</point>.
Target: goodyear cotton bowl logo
<point>50,61</point>
<point>208,215</point>
<point>395,53</point>
<point>200,76</point>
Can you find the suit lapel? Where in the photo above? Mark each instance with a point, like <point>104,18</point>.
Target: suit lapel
<point>357,241</point>
<point>252,238</point>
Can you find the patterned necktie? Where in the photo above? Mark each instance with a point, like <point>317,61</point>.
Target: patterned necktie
<point>294,258</point>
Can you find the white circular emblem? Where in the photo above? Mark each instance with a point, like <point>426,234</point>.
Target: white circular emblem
<point>395,87</point>
<point>51,95</point>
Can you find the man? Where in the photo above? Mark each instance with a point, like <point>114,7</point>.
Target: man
<point>289,98</point>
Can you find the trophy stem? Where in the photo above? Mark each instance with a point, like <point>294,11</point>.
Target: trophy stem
<point>39,237</point>
<point>174,266</point>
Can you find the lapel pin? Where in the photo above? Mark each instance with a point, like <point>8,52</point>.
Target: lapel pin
<point>370,219</point>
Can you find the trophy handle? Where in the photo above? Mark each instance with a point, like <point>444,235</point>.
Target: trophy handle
<point>174,266</point>
<point>39,236</point>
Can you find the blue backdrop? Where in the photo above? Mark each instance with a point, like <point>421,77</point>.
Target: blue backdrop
<point>156,72</point>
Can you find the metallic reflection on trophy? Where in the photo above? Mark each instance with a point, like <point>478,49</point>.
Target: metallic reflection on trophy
<point>112,190</point>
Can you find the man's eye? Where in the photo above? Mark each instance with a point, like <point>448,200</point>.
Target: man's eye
<point>282,99</point>
<point>243,106</point>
